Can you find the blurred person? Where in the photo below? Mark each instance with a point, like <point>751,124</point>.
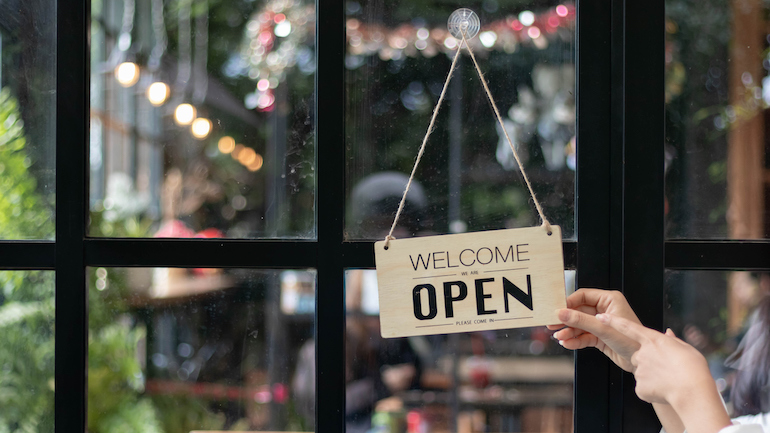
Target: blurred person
<point>378,368</point>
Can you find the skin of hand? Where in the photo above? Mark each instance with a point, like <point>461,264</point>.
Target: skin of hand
<point>668,370</point>
<point>583,330</point>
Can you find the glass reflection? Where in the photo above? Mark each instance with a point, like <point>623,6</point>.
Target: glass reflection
<point>516,380</point>
<point>27,119</point>
<point>170,81</point>
<point>398,57</point>
<point>726,315</point>
<point>717,94</point>
<point>176,350</point>
<point>27,316</point>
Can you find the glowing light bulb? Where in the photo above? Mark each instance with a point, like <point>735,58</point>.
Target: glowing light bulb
<point>527,18</point>
<point>127,74</point>
<point>533,32</point>
<point>247,156</point>
<point>201,127</point>
<point>184,114</point>
<point>282,29</point>
<point>158,93</point>
<point>256,164</point>
<point>226,144</point>
<point>237,151</point>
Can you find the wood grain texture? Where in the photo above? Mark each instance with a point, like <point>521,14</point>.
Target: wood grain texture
<point>497,279</point>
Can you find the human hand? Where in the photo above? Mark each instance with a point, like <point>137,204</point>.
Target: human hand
<point>583,330</point>
<point>664,366</point>
<point>670,371</point>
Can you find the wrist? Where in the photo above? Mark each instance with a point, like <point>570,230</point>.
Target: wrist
<point>700,407</point>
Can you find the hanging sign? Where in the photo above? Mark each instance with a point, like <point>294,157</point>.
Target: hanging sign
<point>470,282</point>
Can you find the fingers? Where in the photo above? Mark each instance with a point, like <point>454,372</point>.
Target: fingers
<point>585,297</point>
<point>580,342</point>
<point>567,333</point>
<point>580,320</point>
<point>626,327</point>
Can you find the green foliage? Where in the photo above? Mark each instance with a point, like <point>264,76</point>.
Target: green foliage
<point>27,316</point>
<point>27,351</point>
<point>181,414</point>
<point>24,213</point>
<point>115,382</point>
<point>26,297</point>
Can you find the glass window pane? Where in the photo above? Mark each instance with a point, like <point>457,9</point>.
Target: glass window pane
<point>27,315</point>
<point>717,95</point>
<point>398,57</point>
<point>202,119</point>
<point>516,380</point>
<point>27,119</point>
<point>723,314</point>
<point>177,350</point>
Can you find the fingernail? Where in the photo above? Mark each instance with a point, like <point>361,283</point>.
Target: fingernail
<point>604,318</point>
<point>561,343</point>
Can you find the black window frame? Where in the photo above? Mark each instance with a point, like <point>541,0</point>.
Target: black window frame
<point>619,210</point>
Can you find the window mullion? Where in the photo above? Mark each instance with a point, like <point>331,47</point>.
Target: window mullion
<point>330,205</point>
<point>72,99</point>
<point>643,180</point>
<point>593,210</point>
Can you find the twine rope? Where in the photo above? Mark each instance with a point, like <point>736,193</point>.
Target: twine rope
<point>390,237</point>
<point>464,41</point>
<point>539,208</point>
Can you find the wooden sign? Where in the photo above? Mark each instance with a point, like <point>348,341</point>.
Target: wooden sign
<point>495,279</point>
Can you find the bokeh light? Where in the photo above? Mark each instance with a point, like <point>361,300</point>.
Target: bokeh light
<point>201,127</point>
<point>226,144</point>
<point>127,74</point>
<point>184,114</point>
<point>158,93</point>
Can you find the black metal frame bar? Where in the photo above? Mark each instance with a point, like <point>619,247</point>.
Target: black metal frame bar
<point>643,181</point>
<point>619,209</point>
<point>72,123</point>
<point>330,187</point>
<point>593,216</point>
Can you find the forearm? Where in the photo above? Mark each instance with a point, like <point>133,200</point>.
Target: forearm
<point>700,410</point>
<point>668,418</point>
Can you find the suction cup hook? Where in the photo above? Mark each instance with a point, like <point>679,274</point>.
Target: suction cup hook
<point>463,20</point>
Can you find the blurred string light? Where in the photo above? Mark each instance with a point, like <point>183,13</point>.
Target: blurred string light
<point>526,28</point>
<point>157,93</point>
<point>201,128</point>
<point>184,114</point>
<point>488,38</point>
<point>125,70</point>
<point>256,164</point>
<point>127,74</point>
<point>226,144</point>
<point>247,156</point>
<point>527,18</point>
